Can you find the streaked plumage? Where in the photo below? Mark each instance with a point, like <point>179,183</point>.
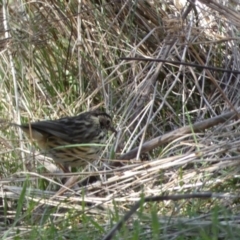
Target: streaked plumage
<point>68,140</point>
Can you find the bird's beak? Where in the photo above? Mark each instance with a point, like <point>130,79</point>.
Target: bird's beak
<point>113,130</point>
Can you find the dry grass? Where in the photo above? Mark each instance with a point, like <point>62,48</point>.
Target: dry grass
<point>60,58</point>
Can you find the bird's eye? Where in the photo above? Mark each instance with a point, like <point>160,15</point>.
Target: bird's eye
<point>108,122</point>
<point>105,123</point>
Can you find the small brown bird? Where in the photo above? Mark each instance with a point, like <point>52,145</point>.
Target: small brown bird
<point>71,141</point>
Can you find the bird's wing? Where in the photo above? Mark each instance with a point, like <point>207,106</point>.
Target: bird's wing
<point>47,127</point>
<point>83,130</point>
<point>72,131</point>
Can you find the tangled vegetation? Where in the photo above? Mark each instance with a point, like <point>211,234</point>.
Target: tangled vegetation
<point>168,74</point>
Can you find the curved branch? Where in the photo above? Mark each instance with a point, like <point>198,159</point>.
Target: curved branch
<point>168,137</point>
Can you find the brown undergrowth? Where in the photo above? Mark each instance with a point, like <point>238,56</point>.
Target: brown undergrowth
<point>61,58</point>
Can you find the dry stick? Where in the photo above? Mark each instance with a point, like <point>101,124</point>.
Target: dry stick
<point>168,137</point>
<point>134,208</point>
<point>195,65</point>
<point>217,69</point>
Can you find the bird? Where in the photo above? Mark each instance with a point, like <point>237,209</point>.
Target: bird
<point>71,141</point>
